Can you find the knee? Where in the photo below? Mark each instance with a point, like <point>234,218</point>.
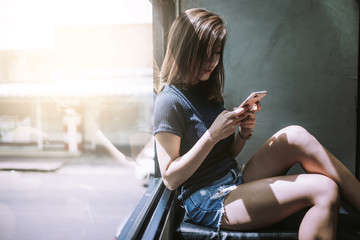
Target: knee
<point>327,192</point>
<point>296,130</point>
<point>298,136</point>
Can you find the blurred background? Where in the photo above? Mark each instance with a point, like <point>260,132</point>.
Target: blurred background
<point>69,71</point>
<point>92,57</point>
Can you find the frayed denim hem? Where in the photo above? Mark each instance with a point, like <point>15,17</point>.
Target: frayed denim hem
<point>206,206</point>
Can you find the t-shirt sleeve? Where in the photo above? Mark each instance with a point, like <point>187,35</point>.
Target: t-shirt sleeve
<point>168,114</point>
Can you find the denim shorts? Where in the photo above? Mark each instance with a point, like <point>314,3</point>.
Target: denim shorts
<point>206,206</point>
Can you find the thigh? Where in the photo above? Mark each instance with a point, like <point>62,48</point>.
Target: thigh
<point>267,201</point>
<point>275,156</point>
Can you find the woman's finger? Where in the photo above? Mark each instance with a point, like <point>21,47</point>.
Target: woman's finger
<point>239,110</point>
<point>247,125</point>
<point>257,107</point>
<point>251,115</point>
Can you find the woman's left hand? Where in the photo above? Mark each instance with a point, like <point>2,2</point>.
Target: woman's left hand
<point>249,121</point>
<point>246,125</point>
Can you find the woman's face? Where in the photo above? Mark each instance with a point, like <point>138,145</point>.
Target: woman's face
<point>210,65</point>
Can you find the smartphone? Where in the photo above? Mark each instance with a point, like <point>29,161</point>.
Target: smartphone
<point>253,98</point>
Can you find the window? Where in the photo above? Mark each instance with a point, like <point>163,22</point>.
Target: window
<point>76,94</point>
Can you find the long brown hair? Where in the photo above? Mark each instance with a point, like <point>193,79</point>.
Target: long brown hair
<point>193,39</point>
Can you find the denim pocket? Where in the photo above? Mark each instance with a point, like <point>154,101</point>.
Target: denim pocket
<point>205,206</point>
<point>200,197</point>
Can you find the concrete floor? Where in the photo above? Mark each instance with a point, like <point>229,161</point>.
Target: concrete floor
<point>89,197</point>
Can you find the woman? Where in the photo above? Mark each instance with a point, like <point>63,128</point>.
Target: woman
<point>197,141</point>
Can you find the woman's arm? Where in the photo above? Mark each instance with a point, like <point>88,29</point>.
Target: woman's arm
<point>244,133</point>
<point>239,142</point>
<point>176,169</point>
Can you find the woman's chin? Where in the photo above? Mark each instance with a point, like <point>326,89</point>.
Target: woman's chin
<point>205,77</point>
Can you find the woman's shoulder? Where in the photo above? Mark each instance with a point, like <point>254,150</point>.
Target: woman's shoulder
<point>170,94</point>
<point>171,100</point>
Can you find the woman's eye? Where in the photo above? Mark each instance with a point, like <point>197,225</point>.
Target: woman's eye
<point>215,53</point>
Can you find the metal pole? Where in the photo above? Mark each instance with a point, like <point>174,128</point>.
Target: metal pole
<point>164,13</point>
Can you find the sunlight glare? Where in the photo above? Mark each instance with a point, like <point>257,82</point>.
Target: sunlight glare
<point>30,24</point>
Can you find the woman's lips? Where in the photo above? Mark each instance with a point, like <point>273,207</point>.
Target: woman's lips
<point>208,70</point>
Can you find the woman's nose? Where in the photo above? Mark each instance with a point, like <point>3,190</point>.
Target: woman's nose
<point>214,59</point>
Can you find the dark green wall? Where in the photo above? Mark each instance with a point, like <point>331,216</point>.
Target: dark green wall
<point>305,54</point>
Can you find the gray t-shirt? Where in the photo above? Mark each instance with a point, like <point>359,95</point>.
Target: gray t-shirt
<point>188,114</point>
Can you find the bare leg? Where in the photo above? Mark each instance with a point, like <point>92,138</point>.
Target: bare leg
<point>294,144</point>
<point>266,201</point>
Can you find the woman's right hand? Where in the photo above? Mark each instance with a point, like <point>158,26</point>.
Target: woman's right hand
<point>227,122</point>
